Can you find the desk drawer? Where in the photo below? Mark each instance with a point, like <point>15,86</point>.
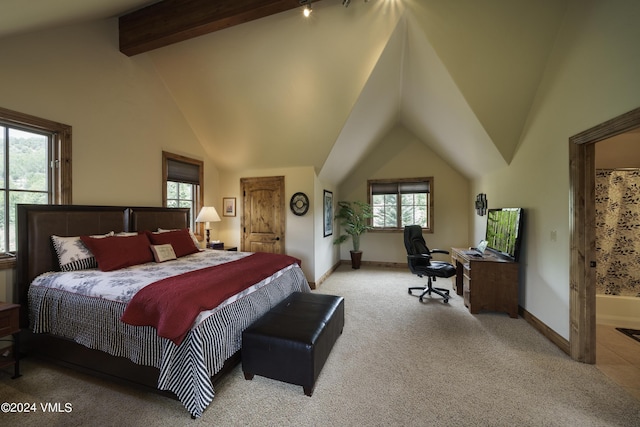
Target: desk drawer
<point>466,285</point>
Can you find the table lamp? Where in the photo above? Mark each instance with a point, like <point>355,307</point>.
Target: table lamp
<point>208,214</point>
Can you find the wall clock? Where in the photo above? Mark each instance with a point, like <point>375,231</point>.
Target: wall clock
<point>299,204</point>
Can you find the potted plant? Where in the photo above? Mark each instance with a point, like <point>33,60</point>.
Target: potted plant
<point>354,219</point>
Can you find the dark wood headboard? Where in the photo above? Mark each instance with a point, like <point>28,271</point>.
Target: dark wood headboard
<point>37,223</point>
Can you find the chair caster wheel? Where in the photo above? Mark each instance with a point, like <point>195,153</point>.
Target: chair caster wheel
<point>446,301</point>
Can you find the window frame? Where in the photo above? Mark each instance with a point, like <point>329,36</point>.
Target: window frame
<point>199,192</point>
<point>60,162</point>
<point>430,203</point>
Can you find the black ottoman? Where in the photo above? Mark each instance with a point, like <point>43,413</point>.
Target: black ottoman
<point>292,341</point>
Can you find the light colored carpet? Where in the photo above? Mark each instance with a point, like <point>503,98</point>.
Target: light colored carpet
<point>398,362</point>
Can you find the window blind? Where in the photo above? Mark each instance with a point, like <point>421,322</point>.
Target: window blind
<point>187,173</point>
<point>400,187</point>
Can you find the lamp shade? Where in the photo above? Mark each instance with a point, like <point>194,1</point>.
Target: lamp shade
<point>208,214</point>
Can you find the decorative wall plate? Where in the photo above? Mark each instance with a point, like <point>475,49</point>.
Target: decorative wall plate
<point>481,204</point>
<point>299,204</point>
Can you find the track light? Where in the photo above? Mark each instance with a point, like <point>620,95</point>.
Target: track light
<point>307,8</point>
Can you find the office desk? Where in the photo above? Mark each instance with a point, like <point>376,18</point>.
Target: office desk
<point>488,283</point>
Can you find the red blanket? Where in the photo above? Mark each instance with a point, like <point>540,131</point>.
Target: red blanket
<point>171,305</point>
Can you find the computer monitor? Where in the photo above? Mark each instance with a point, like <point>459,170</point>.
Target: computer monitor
<point>504,231</point>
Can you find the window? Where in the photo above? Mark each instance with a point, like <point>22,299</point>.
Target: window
<point>35,168</point>
<point>400,202</point>
<point>182,185</point>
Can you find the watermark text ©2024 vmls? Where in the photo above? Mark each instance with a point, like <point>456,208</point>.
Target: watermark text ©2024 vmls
<point>28,407</point>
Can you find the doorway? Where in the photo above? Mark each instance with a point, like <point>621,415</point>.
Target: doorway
<point>582,293</point>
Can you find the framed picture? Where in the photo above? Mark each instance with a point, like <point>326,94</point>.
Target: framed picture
<point>228,206</point>
<point>327,213</point>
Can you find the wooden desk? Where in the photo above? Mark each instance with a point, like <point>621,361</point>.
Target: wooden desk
<point>487,283</point>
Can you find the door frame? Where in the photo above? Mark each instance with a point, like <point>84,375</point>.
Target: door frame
<point>582,293</point>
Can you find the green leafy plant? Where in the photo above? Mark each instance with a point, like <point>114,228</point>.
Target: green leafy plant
<point>353,217</point>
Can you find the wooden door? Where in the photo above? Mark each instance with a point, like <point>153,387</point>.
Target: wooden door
<point>263,214</point>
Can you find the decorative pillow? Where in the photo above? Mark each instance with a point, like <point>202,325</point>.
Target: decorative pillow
<point>193,236</point>
<point>126,234</point>
<point>163,253</point>
<point>72,254</point>
<point>179,239</point>
<point>116,252</point>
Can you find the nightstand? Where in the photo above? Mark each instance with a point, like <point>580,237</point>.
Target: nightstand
<point>10,325</point>
<point>221,246</point>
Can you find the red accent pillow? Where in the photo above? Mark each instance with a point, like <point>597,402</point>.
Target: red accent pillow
<point>180,240</point>
<point>117,252</point>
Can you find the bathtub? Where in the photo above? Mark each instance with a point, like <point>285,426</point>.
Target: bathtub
<point>619,311</point>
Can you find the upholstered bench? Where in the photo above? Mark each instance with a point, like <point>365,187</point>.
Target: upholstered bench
<point>292,341</point>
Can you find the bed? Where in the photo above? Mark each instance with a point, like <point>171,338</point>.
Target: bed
<point>85,332</point>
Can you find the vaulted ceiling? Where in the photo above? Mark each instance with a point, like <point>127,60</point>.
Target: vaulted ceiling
<point>286,91</point>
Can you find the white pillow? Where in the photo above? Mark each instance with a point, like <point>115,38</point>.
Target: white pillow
<point>126,234</point>
<point>72,254</point>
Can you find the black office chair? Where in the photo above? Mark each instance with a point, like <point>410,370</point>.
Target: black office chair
<point>421,264</point>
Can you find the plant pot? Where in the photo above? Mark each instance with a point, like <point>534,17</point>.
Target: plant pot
<point>356,258</point>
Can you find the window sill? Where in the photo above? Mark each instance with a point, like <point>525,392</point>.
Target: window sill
<point>7,262</point>
<point>396,230</point>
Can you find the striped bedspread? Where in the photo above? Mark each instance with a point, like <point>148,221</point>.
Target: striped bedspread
<point>186,369</point>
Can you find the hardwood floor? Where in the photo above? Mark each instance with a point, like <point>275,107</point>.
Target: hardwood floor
<point>618,357</point>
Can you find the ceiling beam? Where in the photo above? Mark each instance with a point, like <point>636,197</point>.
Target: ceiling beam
<point>173,21</point>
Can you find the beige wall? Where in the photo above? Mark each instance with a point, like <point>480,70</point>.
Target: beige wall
<point>401,155</point>
<point>621,151</point>
<point>591,77</point>
<point>7,278</point>
<point>121,114</point>
<point>327,255</point>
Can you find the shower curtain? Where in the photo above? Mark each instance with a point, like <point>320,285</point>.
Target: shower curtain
<point>618,232</point>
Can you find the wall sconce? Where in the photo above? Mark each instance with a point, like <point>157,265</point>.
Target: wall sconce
<point>481,204</point>
<point>208,214</point>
